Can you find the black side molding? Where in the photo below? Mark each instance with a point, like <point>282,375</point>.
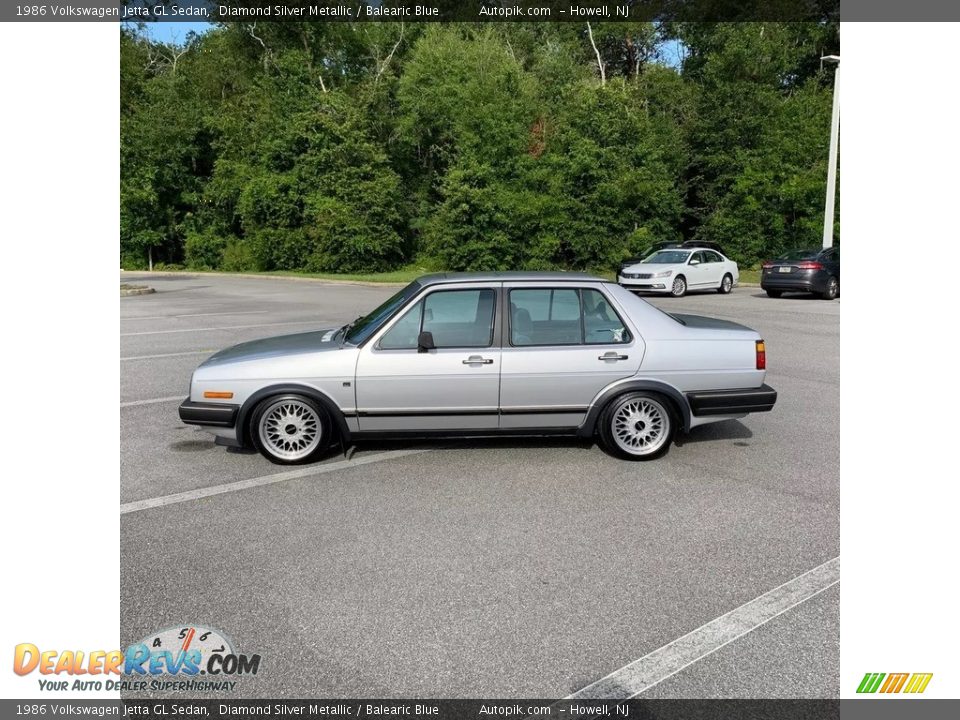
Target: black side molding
<point>210,414</point>
<point>732,402</point>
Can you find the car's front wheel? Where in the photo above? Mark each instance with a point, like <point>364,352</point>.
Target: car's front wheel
<point>679,287</point>
<point>637,426</point>
<point>290,429</point>
<point>726,285</point>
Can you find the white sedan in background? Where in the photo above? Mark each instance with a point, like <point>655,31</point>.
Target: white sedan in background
<point>678,270</point>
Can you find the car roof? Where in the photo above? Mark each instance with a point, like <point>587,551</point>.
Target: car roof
<point>454,277</point>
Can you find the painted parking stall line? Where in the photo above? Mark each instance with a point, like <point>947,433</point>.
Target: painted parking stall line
<point>199,493</point>
<point>641,675</point>
<point>133,318</point>
<point>167,355</point>
<point>225,327</point>
<point>153,401</point>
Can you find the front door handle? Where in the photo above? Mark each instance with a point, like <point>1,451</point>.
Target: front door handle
<point>477,360</point>
<point>613,356</point>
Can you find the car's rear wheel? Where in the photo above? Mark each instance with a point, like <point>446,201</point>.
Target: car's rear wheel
<point>774,293</point>
<point>637,426</point>
<point>290,429</point>
<point>679,287</point>
<point>726,285</point>
<point>833,289</point>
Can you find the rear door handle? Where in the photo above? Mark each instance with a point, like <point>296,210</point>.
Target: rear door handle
<point>477,360</point>
<point>613,356</point>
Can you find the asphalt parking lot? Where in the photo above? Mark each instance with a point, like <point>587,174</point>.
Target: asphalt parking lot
<point>506,568</point>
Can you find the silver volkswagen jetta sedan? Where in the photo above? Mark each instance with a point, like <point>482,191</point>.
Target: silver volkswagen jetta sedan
<point>475,354</point>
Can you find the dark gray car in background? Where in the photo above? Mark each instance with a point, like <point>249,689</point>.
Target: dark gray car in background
<point>809,271</point>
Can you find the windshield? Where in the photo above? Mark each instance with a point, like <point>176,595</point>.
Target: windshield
<point>363,327</point>
<point>799,255</point>
<point>668,257</point>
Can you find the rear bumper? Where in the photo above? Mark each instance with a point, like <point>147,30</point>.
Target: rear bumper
<point>815,281</point>
<point>732,402</point>
<point>208,414</point>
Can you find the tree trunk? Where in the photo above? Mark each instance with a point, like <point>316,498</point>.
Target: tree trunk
<point>603,72</point>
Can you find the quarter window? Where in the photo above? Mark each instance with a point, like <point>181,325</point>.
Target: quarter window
<point>456,318</point>
<point>563,316</point>
<point>601,325</point>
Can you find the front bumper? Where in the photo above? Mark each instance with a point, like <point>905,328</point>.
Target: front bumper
<point>646,285</point>
<point>732,402</point>
<point>208,414</point>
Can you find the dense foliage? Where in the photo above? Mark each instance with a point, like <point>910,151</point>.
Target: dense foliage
<point>363,147</point>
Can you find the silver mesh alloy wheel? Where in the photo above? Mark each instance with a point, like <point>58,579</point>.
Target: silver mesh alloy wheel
<point>290,429</point>
<point>640,426</point>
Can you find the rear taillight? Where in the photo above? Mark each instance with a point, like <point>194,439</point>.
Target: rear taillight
<point>810,266</point>
<point>761,355</point>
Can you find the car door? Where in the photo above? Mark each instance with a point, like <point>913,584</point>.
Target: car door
<point>831,259</point>
<point>714,268</point>
<point>455,386</point>
<point>697,271</point>
<point>562,345</point>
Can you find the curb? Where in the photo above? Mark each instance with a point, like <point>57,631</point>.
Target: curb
<point>294,278</point>
<point>128,292</point>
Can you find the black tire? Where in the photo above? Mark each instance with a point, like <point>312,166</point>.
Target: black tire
<point>833,289</point>
<point>618,412</point>
<point>679,286</point>
<point>726,284</point>
<point>308,424</point>
<point>774,293</point>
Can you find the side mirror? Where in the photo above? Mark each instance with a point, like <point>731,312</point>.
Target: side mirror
<point>425,341</point>
<point>694,262</point>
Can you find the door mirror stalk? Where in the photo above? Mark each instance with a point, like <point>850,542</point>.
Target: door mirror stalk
<point>425,342</point>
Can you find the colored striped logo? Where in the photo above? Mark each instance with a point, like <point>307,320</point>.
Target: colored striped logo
<point>894,682</point>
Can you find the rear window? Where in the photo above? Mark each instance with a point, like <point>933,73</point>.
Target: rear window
<point>794,255</point>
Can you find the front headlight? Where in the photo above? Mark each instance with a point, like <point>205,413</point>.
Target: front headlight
<point>665,273</point>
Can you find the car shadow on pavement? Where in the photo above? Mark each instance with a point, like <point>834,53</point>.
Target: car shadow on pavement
<point>723,430</point>
<point>799,295</point>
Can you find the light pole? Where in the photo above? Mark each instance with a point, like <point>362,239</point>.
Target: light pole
<point>834,140</point>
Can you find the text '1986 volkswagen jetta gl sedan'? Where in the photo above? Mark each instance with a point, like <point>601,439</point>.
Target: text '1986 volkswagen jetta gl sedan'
<point>483,354</point>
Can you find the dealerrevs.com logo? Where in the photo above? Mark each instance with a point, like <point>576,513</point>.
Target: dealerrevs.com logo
<point>170,659</point>
<point>911,683</point>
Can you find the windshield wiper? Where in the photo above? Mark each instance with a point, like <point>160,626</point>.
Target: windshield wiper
<point>346,328</point>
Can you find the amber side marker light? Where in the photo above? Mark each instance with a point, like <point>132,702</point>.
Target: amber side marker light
<point>761,355</point>
<point>217,395</point>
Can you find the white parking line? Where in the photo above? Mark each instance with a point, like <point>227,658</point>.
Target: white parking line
<point>264,480</point>
<point>228,327</point>
<point>643,674</point>
<point>166,355</point>
<point>165,317</point>
<point>152,401</point>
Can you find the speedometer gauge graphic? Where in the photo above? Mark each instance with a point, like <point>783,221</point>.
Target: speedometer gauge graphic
<point>182,639</point>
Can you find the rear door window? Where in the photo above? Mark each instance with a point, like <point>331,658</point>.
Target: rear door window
<point>563,316</point>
